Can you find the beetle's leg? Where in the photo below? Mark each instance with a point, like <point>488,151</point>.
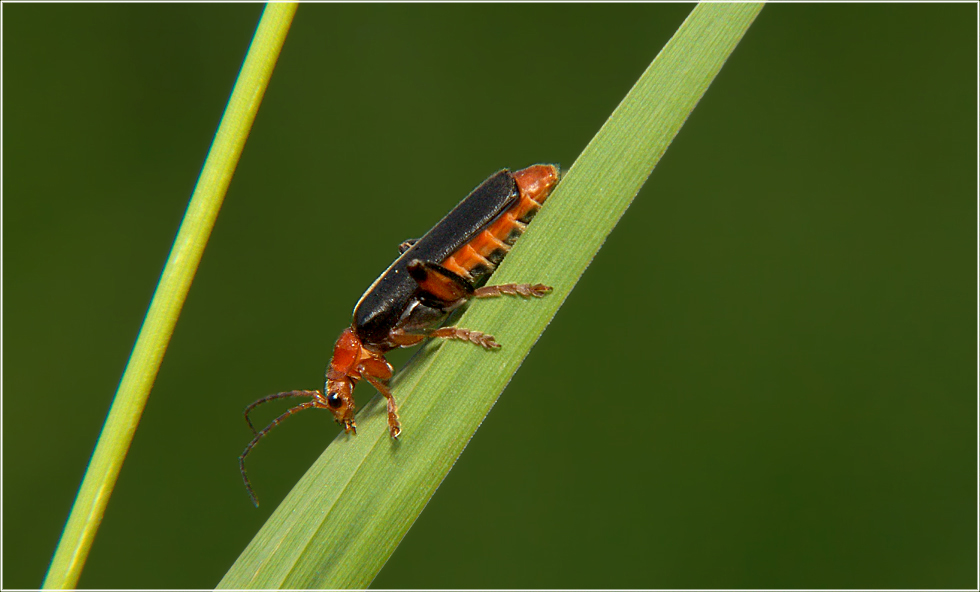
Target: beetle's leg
<point>524,290</point>
<point>439,282</point>
<point>405,338</point>
<point>475,337</point>
<point>377,372</point>
<point>394,425</point>
<point>408,337</point>
<point>407,245</point>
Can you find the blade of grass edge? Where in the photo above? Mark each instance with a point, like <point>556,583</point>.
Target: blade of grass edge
<point>347,514</point>
<point>168,299</point>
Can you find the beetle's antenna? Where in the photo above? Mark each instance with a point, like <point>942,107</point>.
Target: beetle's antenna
<point>284,395</point>
<point>258,436</point>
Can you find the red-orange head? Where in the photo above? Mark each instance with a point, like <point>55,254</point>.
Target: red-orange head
<point>342,376</point>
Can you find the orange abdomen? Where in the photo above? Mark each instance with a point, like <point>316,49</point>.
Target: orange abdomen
<point>477,259</point>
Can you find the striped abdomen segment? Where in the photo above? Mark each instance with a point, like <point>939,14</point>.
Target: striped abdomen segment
<point>478,258</point>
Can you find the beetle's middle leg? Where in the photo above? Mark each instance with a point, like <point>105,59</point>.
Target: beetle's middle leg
<point>408,337</point>
<point>478,337</point>
<point>475,337</point>
<point>523,290</point>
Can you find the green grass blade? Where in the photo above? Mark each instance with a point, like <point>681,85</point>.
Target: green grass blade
<point>168,299</point>
<point>344,518</point>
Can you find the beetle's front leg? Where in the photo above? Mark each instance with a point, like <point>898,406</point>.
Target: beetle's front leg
<point>377,372</point>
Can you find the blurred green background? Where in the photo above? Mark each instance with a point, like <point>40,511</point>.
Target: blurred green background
<point>767,377</point>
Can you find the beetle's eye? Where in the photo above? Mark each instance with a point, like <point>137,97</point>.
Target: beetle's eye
<point>334,401</point>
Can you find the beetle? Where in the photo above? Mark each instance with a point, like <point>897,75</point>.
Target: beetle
<point>407,304</point>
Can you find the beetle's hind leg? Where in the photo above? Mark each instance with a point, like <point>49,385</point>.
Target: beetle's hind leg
<point>478,337</point>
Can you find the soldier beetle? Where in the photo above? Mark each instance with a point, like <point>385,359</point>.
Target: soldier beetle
<point>433,276</point>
